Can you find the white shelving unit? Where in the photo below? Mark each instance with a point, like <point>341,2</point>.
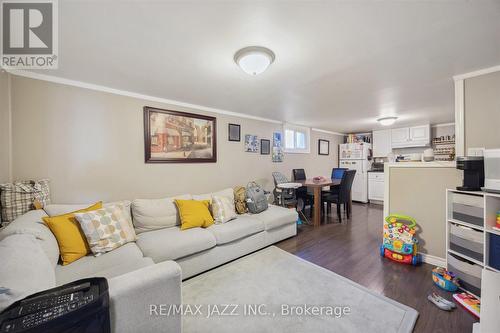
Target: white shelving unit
<point>491,204</point>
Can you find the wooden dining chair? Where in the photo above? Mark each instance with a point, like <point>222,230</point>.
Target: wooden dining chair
<point>343,197</point>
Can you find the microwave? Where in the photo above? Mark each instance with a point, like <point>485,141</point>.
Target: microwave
<point>492,170</point>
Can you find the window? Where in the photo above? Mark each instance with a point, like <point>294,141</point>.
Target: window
<point>296,139</point>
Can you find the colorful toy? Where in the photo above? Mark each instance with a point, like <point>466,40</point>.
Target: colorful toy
<point>399,242</point>
<point>497,226</point>
<point>444,279</point>
<point>470,302</point>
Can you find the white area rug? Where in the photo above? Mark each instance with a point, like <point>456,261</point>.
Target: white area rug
<point>256,294</point>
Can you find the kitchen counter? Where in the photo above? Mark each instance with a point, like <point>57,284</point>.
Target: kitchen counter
<point>433,164</point>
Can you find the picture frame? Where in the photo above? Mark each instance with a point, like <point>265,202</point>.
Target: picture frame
<point>277,154</point>
<point>323,147</point>
<point>265,147</point>
<point>179,137</point>
<point>234,132</point>
<point>251,143</point>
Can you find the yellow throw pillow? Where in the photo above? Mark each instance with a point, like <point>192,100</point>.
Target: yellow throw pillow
<point>194,213</point>
<point>70,237</point>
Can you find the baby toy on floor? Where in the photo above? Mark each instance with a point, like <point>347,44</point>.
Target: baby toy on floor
<point>399,243</point>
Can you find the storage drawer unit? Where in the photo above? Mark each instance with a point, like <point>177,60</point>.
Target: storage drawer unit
<point>468,272</point>
<point>494,257</point>
<point>466,241</point>
<point>472,244</point>
<point>468,208</point>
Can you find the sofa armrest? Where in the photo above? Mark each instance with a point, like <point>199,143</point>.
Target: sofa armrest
<point>135,299</point>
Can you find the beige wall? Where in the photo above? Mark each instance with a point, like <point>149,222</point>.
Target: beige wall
<point>91,146</point>
<point>482,111</point>
<point>421,194</point>
<point>4,127</point>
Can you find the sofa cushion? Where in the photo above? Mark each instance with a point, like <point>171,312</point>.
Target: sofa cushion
<point>65,276</point>
<point>25,268</point>
<point>91,265</point>
<point>275,217</point>
<point>241,227</point>
<point>31,223</point>
<point>228,193</point>
<point>173,243</point>
<point>153,214</point>
<point>60,209</point>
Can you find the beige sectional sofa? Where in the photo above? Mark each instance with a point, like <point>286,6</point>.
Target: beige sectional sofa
<point>150,270</point>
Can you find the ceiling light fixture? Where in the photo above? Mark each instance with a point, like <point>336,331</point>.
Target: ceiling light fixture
<point>387,121</point>
<point>254,60</point>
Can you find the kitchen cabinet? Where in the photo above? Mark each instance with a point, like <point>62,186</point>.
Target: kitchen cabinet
<point>420,133</point>
<point>382,145</point>
<point>376,186</point>
<point>416,136</point>
<point>400,136</point>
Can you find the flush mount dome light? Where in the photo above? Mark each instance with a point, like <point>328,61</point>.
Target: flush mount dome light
<point>387,121</point>
<point>254,60</point>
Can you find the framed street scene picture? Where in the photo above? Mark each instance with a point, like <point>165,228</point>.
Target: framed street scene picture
<point>179,137</point>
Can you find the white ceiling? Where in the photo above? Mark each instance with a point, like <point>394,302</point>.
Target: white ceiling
<point>339,64</point>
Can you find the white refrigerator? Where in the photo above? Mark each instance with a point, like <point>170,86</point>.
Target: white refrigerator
<point>357,156</point>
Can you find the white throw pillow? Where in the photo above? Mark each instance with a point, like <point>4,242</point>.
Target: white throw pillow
<point>106,228</point>
<point>222,209</point>
<point>25,268</point>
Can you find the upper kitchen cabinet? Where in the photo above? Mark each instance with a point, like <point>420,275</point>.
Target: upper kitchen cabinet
<point>420,134</point>
<point>382,143</point>
<point>400,137</point>
<point>416,136</point>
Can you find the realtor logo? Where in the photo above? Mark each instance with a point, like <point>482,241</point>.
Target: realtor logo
<point>29,34</point>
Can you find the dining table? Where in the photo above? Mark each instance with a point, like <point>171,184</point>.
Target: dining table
<point>316,186</point>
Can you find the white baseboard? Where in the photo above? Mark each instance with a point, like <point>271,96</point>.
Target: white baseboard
<point>433,260</point>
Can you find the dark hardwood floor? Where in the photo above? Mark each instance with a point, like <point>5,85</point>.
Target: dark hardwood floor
<point>351,249</point>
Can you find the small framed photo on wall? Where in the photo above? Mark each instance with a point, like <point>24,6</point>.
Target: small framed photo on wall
<point>234,132</point>
<point>323,147</point>
<point>251,143</point>
<point>265,147</point>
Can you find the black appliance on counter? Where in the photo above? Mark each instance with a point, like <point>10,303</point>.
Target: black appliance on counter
<point>473,167</point>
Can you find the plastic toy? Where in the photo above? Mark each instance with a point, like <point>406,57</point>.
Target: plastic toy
<point>399,243</point>
<point>444,279</point>
<point>497,225</point>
